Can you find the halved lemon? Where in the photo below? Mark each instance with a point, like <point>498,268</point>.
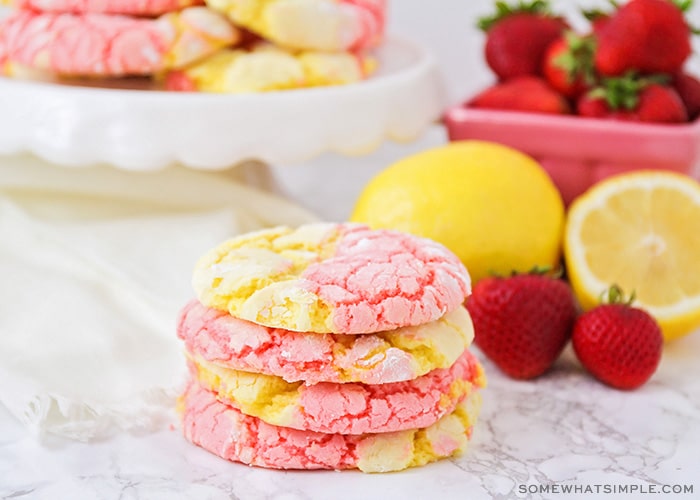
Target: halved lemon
<point>641,231</point>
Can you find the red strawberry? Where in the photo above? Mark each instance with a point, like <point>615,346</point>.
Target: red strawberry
<point>597,18</point>
<point>522,322</point>
<point>592,106</point>
<point>568,64</point>
<point>517,37</point>
<point>633,99</point>
<point>525,93</point>
<point>688,88</point>
<point>618,344</point>
<point>648,36</point>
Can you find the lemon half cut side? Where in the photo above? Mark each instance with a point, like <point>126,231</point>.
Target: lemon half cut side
<point>639,230</point>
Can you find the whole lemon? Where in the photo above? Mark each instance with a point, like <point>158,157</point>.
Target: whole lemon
<point>494,207</point>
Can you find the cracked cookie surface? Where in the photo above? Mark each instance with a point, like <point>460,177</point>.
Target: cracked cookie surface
<point>325,25</point>
<point>227,433</point>
<point>350,408</point>
<point>96,44</point>
<point>125,7</point>
<point>392,356</point>
<point>332,278</point>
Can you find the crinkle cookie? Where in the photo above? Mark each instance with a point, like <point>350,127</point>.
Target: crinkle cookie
<point>350,408</point>
<point>96,45</point>
<point>266,68</point>
<point>126,7</point>
<point>392,356</point>
<point>228,433</point>
<point>326,25</point>
<point>332,278</point>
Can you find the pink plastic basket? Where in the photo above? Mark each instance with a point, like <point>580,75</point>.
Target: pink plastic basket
<point>577,152</point>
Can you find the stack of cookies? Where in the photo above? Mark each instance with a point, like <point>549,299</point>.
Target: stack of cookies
<point>330,346</point>
<point>225,46</point>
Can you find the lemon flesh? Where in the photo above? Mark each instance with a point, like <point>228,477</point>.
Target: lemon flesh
<point>640,231</point>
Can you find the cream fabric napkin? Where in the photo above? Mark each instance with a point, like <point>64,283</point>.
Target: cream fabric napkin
<point>94,266</point>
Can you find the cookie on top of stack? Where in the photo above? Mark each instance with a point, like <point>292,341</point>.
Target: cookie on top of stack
<point>330,346</point>
<point>225,46</point>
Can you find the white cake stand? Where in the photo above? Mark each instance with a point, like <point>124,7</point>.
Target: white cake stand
<point>148,129</point>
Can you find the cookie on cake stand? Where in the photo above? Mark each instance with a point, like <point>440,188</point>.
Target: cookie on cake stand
<point>141,129</point>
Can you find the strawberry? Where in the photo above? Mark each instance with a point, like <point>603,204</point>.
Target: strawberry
<point>618,344</point>
<point>568,64</point>
<point>597,18</point>
<point>648,36</point>
<point>633,99</point>
<point>524,93</point>
<point>522,322</point>
<point>517,37</point>
<point>688,88</point>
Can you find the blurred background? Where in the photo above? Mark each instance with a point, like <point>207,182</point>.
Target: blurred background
<point>448,29</point>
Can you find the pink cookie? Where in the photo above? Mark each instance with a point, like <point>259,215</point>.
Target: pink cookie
<point>332,278</point>
<point>350,408</point>
<point>226,432</point>
<point>127,7</point>
<point>393,356</point>
<point>111,45</point>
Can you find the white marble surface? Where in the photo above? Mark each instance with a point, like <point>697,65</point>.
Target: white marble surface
<point>564,429</point>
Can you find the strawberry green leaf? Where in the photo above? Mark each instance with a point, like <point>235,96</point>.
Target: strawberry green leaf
<point>683,5</point>
<point>615,295</point>
<point>593,14</point>
<point>503,10</point>
<point>577,60</point>
<point>623,92</point>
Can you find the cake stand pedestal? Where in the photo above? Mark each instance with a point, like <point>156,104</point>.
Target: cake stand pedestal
<point>75,126</point>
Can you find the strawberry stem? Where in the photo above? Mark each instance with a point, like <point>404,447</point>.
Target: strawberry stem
<point>623,92</point>
<point>593,14</point>
<point>537,270</point>
<point>577,60</point>
<point>503,10</point>
<point>541,270</point>
<point>615,295</point>
<point>683,5</point>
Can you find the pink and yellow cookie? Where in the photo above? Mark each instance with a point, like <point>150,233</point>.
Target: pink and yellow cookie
<point>265,68</point>
<point>228,433</point>
<point>350,408</point>
<point>325,25</point>
<point>392,356</point>
<point>125,7</point>
<point>96,45</point>
<point>332,278</point>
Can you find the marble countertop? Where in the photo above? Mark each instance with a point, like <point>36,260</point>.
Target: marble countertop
<point>537,439</point>
<point>564,430</point>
